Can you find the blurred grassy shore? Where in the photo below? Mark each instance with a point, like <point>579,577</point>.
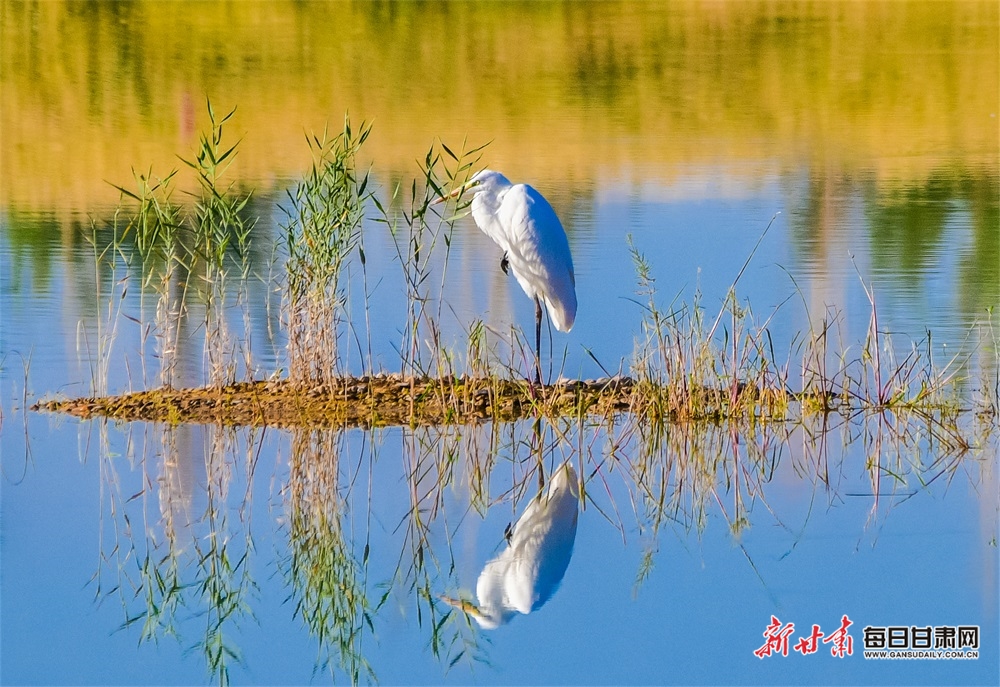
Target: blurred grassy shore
<point>90,89</point>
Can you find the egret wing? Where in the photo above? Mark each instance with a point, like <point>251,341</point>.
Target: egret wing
<point>542,544</point>
<point>538,251</point>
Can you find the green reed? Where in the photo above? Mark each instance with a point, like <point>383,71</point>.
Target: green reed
<point>689,371</point>
<point>219,224</point>
<point>180,253</point>
<point>322,232</point>
<point>111,286</point>
<point>155,230</point>
<point>422,239</point>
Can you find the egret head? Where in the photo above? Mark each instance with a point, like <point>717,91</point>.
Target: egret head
<point>484,181</point>
<point>487,619</point>
<point>488,181</point>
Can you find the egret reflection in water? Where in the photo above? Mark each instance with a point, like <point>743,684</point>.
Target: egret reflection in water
<point>528,571</point>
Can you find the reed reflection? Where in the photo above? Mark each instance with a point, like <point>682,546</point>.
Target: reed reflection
<point>328,584</point>
<point>182,568</point>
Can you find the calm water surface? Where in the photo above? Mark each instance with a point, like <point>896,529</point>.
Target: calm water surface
<point>136,553</point>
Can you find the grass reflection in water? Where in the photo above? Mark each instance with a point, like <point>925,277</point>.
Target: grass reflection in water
<point>179,553</point>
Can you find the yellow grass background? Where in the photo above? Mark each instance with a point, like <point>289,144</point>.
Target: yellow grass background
<point>573,91</point>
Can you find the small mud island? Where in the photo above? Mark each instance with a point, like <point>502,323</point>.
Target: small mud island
<point>388,399</point>
<point>367,401</point>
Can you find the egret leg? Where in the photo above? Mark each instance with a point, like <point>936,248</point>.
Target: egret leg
<point>540,455</point>
<point>538,341</point>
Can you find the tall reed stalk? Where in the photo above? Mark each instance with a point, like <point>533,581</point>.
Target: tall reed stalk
<point>211,245</point>
<point>322,231</point>
<point>218,225</point>
<point>155,229</point>
<point>419,234</point>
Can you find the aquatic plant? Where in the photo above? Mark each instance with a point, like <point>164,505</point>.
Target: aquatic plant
<point>418,234</point>
<point>218,225</point>
<point>168,563</point>
<point>323,230</point>
<point>169,246</point>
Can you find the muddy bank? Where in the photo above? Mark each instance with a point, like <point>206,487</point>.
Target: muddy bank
<point>370,401</point>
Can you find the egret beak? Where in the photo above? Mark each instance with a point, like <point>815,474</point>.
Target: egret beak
<point>465,606</point>
<point>456,192</point>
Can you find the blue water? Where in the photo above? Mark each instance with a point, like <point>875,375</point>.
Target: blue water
<point>927,560</point>
<point>816,547</point>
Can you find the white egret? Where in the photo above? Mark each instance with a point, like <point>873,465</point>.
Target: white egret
<point>524,225</point>
<point>528,571</point>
